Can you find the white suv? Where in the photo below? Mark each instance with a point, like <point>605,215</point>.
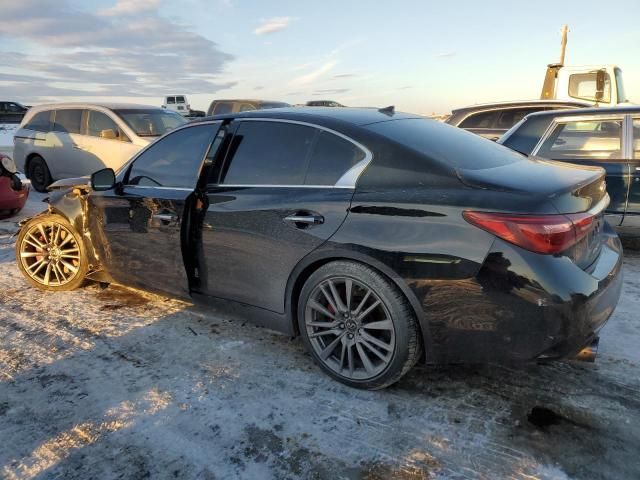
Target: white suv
<point>76,139</point>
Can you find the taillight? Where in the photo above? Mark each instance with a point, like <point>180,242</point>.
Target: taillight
<point>539,233</point>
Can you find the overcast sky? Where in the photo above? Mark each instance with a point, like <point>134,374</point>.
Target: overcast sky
<point>419,55</point>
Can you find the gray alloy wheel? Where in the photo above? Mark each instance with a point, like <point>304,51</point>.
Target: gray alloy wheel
<point>357,325</point>
<point>50,253</point>
<point>350,328</point>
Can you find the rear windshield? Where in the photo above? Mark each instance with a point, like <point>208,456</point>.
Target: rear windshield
<point>152,122</point>
<point>445,144</point>
<point>526,136</point>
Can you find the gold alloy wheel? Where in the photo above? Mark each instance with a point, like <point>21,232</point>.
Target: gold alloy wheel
<point>50,254</point>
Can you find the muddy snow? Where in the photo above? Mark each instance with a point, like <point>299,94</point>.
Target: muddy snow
<point>116,383</point>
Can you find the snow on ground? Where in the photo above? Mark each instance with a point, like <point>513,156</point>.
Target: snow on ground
<point>115,383</point>
<point>7,130</point>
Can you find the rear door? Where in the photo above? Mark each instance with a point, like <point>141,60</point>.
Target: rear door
<point>632,214</point>
<point>68,157</point>
<point>594,141</point>
<point>140,225</point>
<point>280,193</point>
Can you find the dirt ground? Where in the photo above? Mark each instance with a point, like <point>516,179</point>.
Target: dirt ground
<point>113,383</point>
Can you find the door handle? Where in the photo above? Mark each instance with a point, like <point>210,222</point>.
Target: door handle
<point>165,217</point>
<point>304,220</point>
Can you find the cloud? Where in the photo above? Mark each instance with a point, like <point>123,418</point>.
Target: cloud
<point>445,54</point>
<point>331,91</point>
<point>124,50</point>
<point>314,75</point>
<point>345,75</point>
<point>272,25</point>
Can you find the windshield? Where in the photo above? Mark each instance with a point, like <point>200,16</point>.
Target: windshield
<point>622,95</point>
<point>266,105</point>
<point>151,122</point>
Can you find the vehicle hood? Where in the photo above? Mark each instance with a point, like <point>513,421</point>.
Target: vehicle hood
<point>83,182</point>
<point>569,187</point>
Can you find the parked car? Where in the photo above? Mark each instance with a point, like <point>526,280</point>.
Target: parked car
<point>222,107</point>
<point>381,238</point>
<point>75,139</point>
<point>180,104</point>
<point>323,103</point>
<point>604,137</point>
<point>12,112</point>
<point>492,120</point>
<point>14,191</point>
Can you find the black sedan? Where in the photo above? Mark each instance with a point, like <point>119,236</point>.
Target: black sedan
<point>381,238</point>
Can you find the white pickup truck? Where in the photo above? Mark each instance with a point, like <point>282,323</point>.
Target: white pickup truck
<point>600,85</point>
<point>180,104</point>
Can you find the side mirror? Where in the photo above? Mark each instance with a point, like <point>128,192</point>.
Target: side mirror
<point>109,134</point>
<point>104,179</point>
<point>601,77</point>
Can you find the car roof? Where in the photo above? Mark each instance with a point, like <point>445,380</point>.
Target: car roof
<point>247,100</point>
<point>587,111</point>
<point>107,105</point>
<point>320,115</point>
<point>521,103</point>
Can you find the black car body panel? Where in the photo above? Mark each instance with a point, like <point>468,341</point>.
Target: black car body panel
<point>476,297</point>
<point>12,112</point>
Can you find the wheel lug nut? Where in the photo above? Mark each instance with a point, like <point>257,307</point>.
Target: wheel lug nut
<point>350,336</point>
<point>342,325</point>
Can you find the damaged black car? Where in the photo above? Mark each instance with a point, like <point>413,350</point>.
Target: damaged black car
<point>382,239</point>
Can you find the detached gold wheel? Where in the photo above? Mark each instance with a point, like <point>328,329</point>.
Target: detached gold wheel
<point>50,253</point>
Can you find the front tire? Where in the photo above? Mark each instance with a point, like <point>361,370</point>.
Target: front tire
<point>50,253</point>
<point>39,174</point>
<point>357,325</point>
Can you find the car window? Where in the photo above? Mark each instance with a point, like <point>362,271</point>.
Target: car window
<point>480,120</point>
<point>100,125</point>
<point>174,160</point>
<point>13,107</point>
<point>222,108</point>
<point>269,153</point>
<point>246,107</point>
<point>583,86</point>
<point>584,140</point>
<point>332,156</point>
<point>67,120</point>
<point>151,122</point>
<point>40,122</point>
<point>179,99</point>
<point>527,135</point>
<point>171,100</point>
<point>636,139</point>
<point>508,118</point>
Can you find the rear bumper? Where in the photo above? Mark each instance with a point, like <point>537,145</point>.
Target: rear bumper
<point>523,306</point>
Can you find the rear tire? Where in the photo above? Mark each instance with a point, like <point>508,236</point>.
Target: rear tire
<point>39,174</point>
<point>359,328</point>
<point>50,253</point>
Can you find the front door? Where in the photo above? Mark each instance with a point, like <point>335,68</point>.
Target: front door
<point>141,222</point>
<point>598,143</point>
<point>275,199</point>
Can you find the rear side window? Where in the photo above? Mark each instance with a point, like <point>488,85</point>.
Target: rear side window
<point>446,144</point>
<point>68,120</point>
<point>269,153</point>
<point>527,136</point>
<point>222,108</point>
<point>179,99</point>
<point>584,140</point>
<point>636,139</point>
<point>508,118</point>
<point>246,107</point>
<point>173,161</point>
<point>171,100</point>
<point>331,158</point>
<point>480,120</point>
<point>40,122</point>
